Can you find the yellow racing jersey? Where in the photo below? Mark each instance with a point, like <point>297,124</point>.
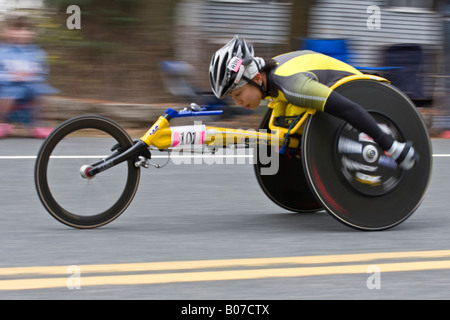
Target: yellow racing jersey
<point>301,80</point>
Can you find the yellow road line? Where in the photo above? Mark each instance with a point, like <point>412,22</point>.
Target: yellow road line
<point>130,279</point>
<point>200,264</point>
<point>26,284</point>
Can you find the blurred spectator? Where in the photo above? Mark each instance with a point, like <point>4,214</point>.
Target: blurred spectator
<point>23,72</point>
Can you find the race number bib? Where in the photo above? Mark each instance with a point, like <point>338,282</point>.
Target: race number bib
<point>188,135</point>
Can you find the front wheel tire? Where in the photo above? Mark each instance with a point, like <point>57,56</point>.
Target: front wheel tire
<point>68,196</point>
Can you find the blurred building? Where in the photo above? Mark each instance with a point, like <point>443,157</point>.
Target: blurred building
<point>376,30</point>
<point>399,21</point>
<point>203,26</point>
<point>8,5</point>
<point>368,27</point>
<point>196,28</point>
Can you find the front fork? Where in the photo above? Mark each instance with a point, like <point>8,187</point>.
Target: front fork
<point>140,148</point>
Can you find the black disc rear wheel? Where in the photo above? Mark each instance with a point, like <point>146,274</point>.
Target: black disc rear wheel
<point>349,173</point>
<point>285,185</point>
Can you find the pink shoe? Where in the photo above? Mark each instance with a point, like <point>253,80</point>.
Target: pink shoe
<point>41,132</point>
<point>5,129</point>
<point>445,134</point>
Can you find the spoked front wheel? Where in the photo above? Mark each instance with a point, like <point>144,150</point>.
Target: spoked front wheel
<point>60,172</point>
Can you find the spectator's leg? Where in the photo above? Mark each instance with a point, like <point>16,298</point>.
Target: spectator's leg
<point>6,104</point>
<point>39,130</point>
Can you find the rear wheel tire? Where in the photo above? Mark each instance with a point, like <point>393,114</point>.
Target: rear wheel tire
<point>360,191</point>
<point>288,187</point>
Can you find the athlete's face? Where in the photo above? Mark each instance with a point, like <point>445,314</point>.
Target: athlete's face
<point>19,35</point>
<point>248,96</point>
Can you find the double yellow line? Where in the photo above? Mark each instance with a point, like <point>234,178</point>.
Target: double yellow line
<point>25,278</point>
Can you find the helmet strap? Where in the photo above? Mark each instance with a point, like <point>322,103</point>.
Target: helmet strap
<point>259,86</point>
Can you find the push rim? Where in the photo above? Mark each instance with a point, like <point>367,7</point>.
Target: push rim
<point>362,163</point>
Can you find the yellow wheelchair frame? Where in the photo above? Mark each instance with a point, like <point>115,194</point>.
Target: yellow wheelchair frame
<point>159,135</point>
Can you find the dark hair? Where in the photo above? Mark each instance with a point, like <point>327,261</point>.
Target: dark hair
<point>269,66</point>
<point>17,22</point>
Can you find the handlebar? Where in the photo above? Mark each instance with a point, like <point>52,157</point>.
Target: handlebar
<point>194,111</point>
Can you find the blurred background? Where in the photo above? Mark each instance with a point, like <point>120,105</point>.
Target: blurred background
<point>130,59</point>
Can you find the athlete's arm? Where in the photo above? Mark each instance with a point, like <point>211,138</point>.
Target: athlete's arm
<point>302,90</point>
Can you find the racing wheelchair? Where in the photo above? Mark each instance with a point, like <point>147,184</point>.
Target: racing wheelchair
<point>334,167</point>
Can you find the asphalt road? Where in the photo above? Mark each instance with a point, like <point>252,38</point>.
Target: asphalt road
<point>207,231</point>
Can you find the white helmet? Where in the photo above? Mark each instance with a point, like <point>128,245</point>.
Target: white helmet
<point>228,65</point>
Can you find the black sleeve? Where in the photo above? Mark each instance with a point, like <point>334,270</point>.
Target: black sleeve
<point>339,106</point>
